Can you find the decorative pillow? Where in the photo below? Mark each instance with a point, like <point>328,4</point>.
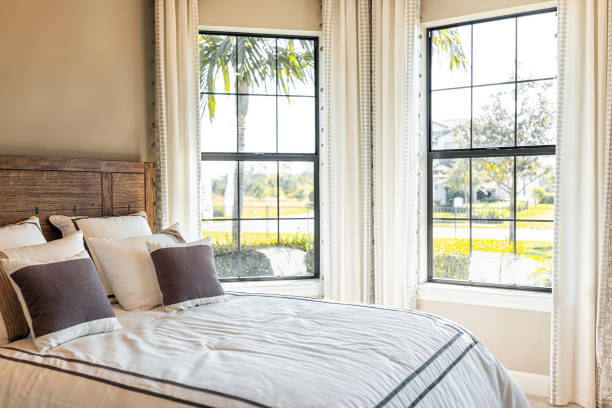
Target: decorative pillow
<point>123,227</point>
<point>49,251</point>
<point>13,325</point>
<point>62,300</point>
<point>128,267</point>
<point>24,233</point>
<point>186,274</point>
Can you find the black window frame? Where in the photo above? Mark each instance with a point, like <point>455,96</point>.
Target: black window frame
<point>239,157</point>
<point>471,152</point>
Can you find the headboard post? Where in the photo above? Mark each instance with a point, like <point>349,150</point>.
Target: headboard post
<point>44,186</point>
<point>107,194</point>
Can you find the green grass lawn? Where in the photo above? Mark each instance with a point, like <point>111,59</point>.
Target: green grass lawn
<point>260,239</point>
<point>267,209</point>
<point>534,212</point>
<point>502,210</point>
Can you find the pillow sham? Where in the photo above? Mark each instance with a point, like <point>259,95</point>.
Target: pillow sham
<point>186,274</point>
<point>23,233</point>
<point>128,267</point>
<point>13,325</point>
<point>49,251</point>
<point>62,300</point>
<point>122,227</point>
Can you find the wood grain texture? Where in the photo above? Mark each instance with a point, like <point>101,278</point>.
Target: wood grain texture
<point>73,187</point>
<point>128,191</point>
<point>49,190</point>
<point>107,194</point>
<point>59,164</point>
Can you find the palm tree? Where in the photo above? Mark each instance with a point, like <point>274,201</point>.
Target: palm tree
<point>257,62</point>
<point>447,41</point>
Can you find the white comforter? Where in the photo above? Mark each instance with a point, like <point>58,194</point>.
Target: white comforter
<point>263,351</point>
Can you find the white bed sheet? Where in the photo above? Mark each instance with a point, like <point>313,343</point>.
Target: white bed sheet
<point>263,351</point>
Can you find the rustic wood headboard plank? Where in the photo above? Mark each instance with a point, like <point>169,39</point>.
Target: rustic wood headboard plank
<point>59,164</point>
<point>75,187</point>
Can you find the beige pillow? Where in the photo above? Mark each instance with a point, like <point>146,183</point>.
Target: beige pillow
<point>127,266</point>
<point>24,233</point>
<point>13,325</point>
<point>122,227</point>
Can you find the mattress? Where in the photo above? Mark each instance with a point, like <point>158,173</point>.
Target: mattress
<point>263,351</point>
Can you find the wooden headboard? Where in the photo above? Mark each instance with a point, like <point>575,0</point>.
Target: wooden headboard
<point>46,186</point>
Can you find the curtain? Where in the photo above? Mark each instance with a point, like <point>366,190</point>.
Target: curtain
<point>581,259</point>
<point>177,141</point>
<point>395,28</point>
<point>369,192</point>
<point>346,197</point>
<point>604,144</point>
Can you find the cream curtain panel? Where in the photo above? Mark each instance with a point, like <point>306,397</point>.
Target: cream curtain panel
<point>581,361</point>
<point>177,141</point>
<point>369,153</point>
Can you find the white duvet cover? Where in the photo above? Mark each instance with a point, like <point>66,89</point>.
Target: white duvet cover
<point>263,351</point>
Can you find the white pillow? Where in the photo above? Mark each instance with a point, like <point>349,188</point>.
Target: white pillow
<point>122,227</point>
<point>48,251</point>
<point>128,267</point>
<point>24,233</point>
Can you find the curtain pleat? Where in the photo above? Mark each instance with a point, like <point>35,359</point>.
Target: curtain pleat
<point>177,141</point>
<point>344,248</point>
<point>582,288</point>
<point>370,193</point>
<point>604,307</point>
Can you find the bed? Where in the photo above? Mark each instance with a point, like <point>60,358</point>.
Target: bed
<point>253,350</point>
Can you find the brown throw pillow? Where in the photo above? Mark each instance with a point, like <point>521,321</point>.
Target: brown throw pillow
<point>62,300</point>
<point>186,274</point>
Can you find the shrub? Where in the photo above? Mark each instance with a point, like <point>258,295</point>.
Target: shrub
<point>540,196</point>
<point>451,266</point>
<point>250,262</point>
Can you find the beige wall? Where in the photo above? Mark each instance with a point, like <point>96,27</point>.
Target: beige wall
<point>75,78</point>
<point>519,339</point>
<point>433,10</point>
<point>267,14</point>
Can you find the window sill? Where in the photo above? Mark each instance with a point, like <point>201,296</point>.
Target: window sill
<point>299,287</point>
<point>490,297</point>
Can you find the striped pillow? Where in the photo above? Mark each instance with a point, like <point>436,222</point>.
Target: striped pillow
<point>13,325</point>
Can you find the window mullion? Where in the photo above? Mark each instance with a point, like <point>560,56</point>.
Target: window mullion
<point>491,182</point>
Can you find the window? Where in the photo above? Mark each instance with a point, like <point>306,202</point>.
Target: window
<point>258,118</point>
<point>491,151</point>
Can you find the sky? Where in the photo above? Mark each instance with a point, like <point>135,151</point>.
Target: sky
<point>531,38</point>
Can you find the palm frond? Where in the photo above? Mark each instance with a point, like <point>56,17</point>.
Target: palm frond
<point>256,61</point>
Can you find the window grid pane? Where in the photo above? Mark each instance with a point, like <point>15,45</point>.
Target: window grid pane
<point>504,238</point>
<point>266,227</point>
